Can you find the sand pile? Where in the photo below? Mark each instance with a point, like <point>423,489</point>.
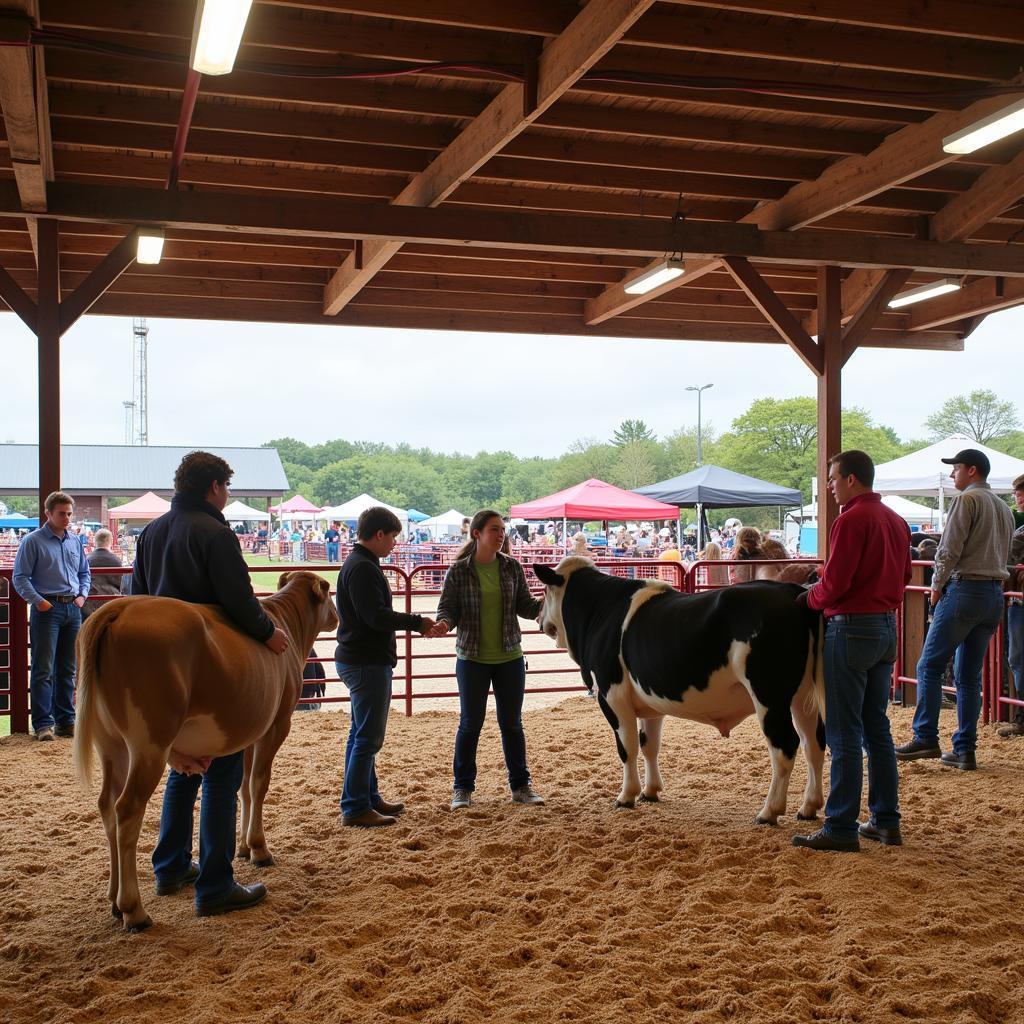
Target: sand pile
<point>572,912</point>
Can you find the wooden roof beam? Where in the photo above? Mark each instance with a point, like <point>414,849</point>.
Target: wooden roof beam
<point>17,301</point>
<point>993,193</point>
<point>587,39</point>
<point>979,298</point>
<point>23,100</point>
<point>620,236</point>
<point>904,155</point>
<point>872,310</point>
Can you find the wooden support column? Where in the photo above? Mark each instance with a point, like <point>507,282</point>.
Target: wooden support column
<point>830,345</point>
<point>48,336</point>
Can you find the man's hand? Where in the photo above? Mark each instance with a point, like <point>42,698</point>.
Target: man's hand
<point>438,629</point>
<point>80,600</point>
<point>185,764</point>
<point>426,625</point>
<point>934,596</point>
<point>277,641</point>
<point>43,606</point>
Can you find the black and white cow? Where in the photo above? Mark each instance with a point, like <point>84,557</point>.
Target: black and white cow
<point>713,657</point>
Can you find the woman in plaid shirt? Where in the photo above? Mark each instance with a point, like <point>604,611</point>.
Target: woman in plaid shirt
<point>484,592</point>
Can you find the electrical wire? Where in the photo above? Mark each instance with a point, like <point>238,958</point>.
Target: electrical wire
<point>511,73</point>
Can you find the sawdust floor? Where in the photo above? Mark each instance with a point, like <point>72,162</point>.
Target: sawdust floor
<point>681,911</point>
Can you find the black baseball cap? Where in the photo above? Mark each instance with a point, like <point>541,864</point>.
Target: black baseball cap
<point>971,457</point>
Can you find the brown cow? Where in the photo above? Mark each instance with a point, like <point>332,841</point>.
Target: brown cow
<point>157,675</point>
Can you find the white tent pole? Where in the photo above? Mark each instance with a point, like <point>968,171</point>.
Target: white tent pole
<point>565,539</point>
<point>942,503</point>
<point>700,527</point>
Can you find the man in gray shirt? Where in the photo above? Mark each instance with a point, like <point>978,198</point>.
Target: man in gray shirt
<point>967,598</point>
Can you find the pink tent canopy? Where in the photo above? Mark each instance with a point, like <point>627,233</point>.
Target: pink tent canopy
<point>297,504</point>
<point>149,506</point>
<point>594,499</point>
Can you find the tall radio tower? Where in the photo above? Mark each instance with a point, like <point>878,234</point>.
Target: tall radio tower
<point>140,382</point>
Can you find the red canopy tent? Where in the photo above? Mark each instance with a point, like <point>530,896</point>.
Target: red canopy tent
<point>144,509</point>
<point>594,499</point>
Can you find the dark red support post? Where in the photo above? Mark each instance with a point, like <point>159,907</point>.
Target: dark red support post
<point>48,335</point>
<point>830,344</point>
<point>18,637</point>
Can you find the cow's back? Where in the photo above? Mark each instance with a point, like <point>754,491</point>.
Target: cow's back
<point>676,642</point>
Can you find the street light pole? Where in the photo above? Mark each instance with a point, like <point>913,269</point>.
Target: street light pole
<point>700,451</point>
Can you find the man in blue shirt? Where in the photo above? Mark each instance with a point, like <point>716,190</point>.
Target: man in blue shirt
<point>51,573</point>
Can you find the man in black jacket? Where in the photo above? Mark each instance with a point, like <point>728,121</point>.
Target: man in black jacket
<point>365,657</point>
<point>191,554</point>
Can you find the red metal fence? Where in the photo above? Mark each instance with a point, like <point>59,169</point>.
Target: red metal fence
<point>422,666</point>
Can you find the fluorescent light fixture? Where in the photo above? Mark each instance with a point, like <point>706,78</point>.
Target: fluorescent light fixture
<point>150,246</point>
<point>926,291</point>
<point>216,40</point>
<point>654,276</point>
<point>989,129</point>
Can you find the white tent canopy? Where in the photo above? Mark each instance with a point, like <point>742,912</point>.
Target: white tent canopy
<point>924,473</point>
<point>910,511</point>
<point>449,524</point>
<point>239,512</point>
<point>350,510</point>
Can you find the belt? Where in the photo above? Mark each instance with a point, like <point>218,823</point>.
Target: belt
<point>849,616</point>
<point>60,598</point>
<point>958,576</point>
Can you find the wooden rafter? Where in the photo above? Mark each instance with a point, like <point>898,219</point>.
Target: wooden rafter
<point>905,154</point>
<point>860,326</point>
<point>96,283</point>
<point>338,219</point>
<point>590,35</point>
<point>995,191</point>
<point>976,299</point>
<point>17,301</point>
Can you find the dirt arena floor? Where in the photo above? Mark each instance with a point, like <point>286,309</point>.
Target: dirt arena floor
<point>680,911</point>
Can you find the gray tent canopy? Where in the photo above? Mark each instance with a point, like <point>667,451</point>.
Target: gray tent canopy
<point>715,487</point>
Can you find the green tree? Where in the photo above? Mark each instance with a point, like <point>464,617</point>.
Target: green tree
<point>629,431</point>
<point>301,481</point>
<point>979,415</point>
<point>585,458</point>
<point>635,464</point>
<point>290,450</point>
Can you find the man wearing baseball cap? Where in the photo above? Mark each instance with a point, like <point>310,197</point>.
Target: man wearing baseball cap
<point>967,598</point>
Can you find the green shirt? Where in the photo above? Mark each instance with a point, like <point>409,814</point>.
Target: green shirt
<point>490,616</point>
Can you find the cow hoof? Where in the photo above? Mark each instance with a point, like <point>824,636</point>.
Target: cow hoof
<point>806,817</point>
<point>628,806</point>
<point>115,913</point>
<point>267,862</point>
<point>764,821</point>
<point>134,929</point>
<point>242,855</point>
<point>652,799</point>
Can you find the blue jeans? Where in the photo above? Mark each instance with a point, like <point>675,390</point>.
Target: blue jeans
<point>370,689</point>
<point>964,620</point>
<point>859,656</point>
<point>1015,643</point>
<point>332,551</point>
<point>509,682</point>
<point>217,817</point>
<point>52,679</point>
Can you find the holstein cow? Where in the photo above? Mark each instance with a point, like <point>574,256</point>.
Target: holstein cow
<point>714,657</point>
<point>158,676</point>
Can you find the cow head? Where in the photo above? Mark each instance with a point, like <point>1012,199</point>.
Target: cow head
<point>554,580</point>
<point>319,596</point>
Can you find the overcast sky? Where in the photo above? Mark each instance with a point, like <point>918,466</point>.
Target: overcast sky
<point>243,384</point>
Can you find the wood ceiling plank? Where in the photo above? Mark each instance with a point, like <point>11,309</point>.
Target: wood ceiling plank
<point>993,193</point>
<point>974,20</point>
<point>586,40</point>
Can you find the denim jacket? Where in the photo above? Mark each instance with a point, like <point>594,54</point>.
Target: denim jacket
<point>460,604</point>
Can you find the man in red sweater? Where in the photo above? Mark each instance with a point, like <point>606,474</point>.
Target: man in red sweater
<point>861,586</point>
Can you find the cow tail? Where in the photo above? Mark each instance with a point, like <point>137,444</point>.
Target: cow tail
<point>89,638</point>
<point>818,666</point>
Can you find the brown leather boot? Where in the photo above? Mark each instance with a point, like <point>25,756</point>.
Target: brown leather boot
<point>368,819</point>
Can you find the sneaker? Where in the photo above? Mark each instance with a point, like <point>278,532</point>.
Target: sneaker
<point>45,734</point>
<point>527,795</point>
<point>916,750</point>
<point>461,798</point>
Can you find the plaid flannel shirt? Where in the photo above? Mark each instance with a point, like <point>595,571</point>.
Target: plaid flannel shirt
<point>460,604</point>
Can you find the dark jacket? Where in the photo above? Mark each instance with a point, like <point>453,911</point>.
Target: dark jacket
<point>190,553</point>
<point>103,584</point>
<point>366,631</point>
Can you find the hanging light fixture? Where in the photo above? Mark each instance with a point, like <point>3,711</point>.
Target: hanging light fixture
<point>925,291</point>
<point>217,35</point>
<point>656,275</point>
<point>989,129</point>
<point>150,246</point>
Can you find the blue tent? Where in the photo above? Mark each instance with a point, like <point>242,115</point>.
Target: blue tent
<point>415,516</point>
<point>18,522</point>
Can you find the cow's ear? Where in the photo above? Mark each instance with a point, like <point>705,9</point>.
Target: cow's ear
<point>548,576</point>
<point>322,589</point>
<point>283,579</point>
